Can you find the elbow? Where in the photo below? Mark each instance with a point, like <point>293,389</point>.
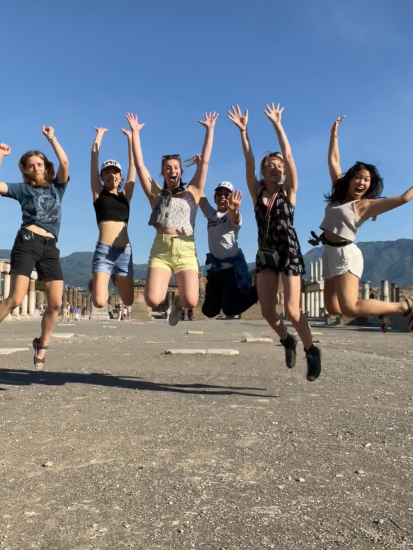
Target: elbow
<point>64,163</point>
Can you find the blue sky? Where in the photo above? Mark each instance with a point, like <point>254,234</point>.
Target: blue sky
<point>77,65</point>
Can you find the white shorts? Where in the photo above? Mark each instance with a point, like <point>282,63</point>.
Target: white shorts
<point>343,259</point>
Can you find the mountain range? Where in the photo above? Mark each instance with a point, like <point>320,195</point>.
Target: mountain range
<point>391,260</point>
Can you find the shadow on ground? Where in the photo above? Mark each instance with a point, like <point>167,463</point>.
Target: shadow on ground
<point>18,377</point>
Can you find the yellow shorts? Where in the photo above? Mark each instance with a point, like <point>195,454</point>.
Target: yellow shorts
<point>173,253</point>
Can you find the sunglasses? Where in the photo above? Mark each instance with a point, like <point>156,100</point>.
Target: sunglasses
<point>225,194</point>
<point>171,157</point>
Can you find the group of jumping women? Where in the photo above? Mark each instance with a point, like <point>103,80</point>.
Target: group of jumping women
<point>354,198</point>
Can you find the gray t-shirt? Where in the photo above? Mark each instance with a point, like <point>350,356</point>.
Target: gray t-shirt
<point>222,234</point>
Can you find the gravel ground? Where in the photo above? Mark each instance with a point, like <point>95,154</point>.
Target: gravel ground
<point>116,445</point>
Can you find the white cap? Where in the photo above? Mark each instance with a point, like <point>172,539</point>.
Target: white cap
<point>110,163</point>
<point>225,185</point>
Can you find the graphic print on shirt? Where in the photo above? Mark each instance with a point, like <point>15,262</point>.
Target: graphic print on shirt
<point>217,221</point>
<point>46,206</point>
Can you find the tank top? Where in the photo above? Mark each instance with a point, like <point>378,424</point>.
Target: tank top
<point>111,207</point>
<point>182,214</point>
<point>342,219</point>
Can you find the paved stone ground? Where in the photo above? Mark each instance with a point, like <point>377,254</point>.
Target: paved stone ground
<point>153,451</point>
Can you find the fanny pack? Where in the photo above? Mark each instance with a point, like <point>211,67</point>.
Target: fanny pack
<point>161,209</point>
<point>267,256</point>
<point>316,240</point>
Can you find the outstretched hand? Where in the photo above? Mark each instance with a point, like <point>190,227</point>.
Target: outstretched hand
<point>334,128</point>
<point>48,132</point>
<point>274,113</point>
<point>209,121</point>
<point>4,150</point>
<point>133,122</point>
<point>128,133</point>
<point>238,118</point>
<point>100,130</point>
<point>197,159</point>
<point>234,200</point>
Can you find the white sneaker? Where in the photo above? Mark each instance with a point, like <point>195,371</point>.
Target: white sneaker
<point>175,316</point>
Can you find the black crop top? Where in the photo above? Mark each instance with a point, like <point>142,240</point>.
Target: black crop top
<point>110,207</point>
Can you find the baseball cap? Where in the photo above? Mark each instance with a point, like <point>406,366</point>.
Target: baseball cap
<point>109,164</point>
<point>225,185</point>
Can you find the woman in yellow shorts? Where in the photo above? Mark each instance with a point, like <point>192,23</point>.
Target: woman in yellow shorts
<point>174,209</point>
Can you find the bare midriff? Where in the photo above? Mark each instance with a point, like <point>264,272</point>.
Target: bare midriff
<point>113,233</point>
<point>39,231</point>
<point>332,237</point>
<point>173,231</point>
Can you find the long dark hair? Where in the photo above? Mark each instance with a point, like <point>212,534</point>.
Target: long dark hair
<point>341,185</point>
<point>32,179</point>
<point>173,157</point>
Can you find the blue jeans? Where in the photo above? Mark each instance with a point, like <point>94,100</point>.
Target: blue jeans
<point>113,260</point>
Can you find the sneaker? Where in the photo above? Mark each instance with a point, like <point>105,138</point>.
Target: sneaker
<point>290,345</point>
<point>313,356</point>
<point>175,316</point>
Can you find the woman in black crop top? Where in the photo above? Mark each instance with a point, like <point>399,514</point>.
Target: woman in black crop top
<point>113,254</point>
<point>283,257</point>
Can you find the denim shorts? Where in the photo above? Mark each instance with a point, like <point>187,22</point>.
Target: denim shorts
<point>113,260</point>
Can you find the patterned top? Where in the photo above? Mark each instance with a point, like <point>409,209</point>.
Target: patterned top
<point>281,235</point>
<point>183,213</point>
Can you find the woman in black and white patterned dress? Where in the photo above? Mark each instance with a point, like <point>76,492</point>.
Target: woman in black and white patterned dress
<point>276,201</point>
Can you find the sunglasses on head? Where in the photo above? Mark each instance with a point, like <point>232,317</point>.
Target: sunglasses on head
<point>171,157</point>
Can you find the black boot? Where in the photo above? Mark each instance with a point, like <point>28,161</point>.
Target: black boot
<point>290,345</point>
<point>313,356</point>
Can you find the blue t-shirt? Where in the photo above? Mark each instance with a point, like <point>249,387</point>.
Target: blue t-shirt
<point>40,206</point>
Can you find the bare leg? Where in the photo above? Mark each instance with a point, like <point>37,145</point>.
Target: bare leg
<point>188,287</point>
<point>100,290</point>
<point>156,287</point>
<point>292,294</point>
<point>54,291</point>
<point>267,286</point>
<point>330,297</point>
<point>347,289</point>
<point>19,287</point>
<point>126,291</point>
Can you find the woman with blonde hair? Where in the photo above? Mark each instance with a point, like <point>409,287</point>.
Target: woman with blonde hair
<point>40,196</point>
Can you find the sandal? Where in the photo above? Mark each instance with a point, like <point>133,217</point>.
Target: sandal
<point>384,323</point>
<point>409,313</point>
<point>38,363</point>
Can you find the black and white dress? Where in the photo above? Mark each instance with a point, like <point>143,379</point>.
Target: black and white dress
<point>282,236</point>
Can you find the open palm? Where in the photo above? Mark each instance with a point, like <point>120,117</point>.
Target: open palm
<point>235,115</point>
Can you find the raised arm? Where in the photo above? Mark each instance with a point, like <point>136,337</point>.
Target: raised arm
<point>333,152</point>
<point>63,170</point>
<point>234,203</point>
<point>4,152</point>
<point>149,185</point>
<point>371,208</point>
<point>291,181</point>
<point>197,183</point>
<point>131,175</point>
<point>241,121</point>
<point>95,183</point>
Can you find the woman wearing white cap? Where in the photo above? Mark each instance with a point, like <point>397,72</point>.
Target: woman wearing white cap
<point>174,210</point>
<point>113,253</point>
<point>229,284</point>
<point>279,251</point>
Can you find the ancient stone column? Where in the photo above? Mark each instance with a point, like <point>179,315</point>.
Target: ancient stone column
<point>311,272</point>
<point>385,291</point>
<point>32,297</point>
<point>365,290</point>
<point>321,299</point>
<point>397,294</point>
<point>316,277</point>
<point>24,306</point>
<point>64,301</point>
<point>317,303</point>
<point>88,302</point>
<point>320,269</point>
<point>307,303</point>
<point>312,304</point>
<point>393,292</point>
<point>70,296</point>
<point>75,297</point>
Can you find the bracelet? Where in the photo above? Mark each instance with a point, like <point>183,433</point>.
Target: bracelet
<point>51,139</point>
<point>243,131</point>
<point>334,136</point>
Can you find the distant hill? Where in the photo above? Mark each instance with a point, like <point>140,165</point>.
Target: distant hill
<point>391,260</point>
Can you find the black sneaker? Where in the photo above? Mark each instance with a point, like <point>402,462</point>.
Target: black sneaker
<point>313,356</point>
<point>290,345</point>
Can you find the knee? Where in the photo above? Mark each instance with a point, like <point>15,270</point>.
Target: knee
<point>13,302</point>
<point>188,302</point>
<point>292,313</point>
<point>128,301</point>
<point>333,310</point>
<point>54,307</point>
<point>99,301</point>
<point>152,301</point>
<point>349,310</point>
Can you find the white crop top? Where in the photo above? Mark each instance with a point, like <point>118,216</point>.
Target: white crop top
<point>342,219</point>
<point>182,214</point>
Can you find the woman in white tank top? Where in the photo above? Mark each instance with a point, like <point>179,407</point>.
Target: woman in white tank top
<point>354,198</point>
<point>173,251</point>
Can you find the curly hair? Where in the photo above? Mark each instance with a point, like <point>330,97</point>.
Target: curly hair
<point>341,185</point>
<point>32,179</point>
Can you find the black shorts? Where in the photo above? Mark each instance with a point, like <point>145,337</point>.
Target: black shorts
<point>31,251</point>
